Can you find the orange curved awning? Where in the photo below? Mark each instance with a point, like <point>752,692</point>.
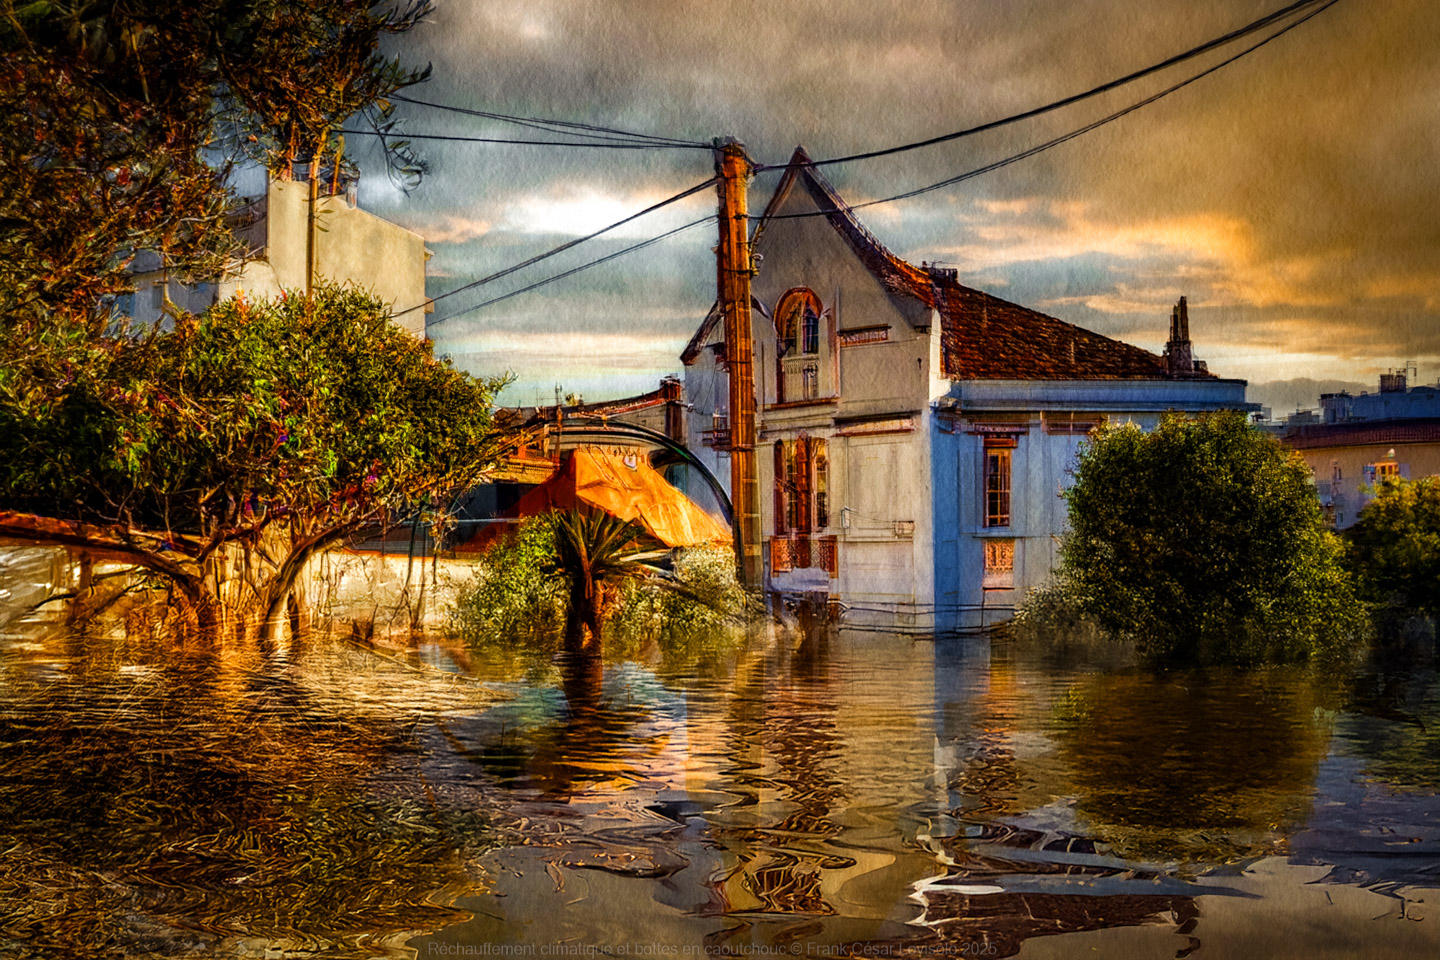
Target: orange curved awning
<point>626,486</point>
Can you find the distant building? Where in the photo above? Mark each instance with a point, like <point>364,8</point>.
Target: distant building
<point>351,246</point>
<point>1362,440</point>
<point>1392,402</point>
<point>915,433</point>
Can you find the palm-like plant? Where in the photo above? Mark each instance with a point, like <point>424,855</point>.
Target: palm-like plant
<point>595,552</point>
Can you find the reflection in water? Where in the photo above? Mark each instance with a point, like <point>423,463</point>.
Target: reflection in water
<point>1195,766</point>
<point>836,792</point>
<point>160,799</point>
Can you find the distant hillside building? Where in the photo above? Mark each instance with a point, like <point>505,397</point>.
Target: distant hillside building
<point>351,246</point>
<point>915,434</point>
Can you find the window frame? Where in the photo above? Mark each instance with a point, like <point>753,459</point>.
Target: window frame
<point>997,507</point>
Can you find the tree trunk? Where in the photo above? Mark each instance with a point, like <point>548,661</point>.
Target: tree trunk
<point>278,595</point>
<point>583,619</point>
<point>84,584</point>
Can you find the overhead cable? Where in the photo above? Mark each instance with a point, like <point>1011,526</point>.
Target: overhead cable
<point>703,185</point>
<point>540,123</point>
<point>597,144</point>
<point>1040,148</point>
<point>570,273</point>
<point>1190,54</point>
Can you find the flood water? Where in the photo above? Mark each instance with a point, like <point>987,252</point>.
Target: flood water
<point>862,794</point>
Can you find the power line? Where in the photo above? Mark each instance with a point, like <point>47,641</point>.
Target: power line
<point>1248,29</point>
<point>540,123</point>
<point>703,185</point>
<point>1190,54</point>
<point>570,273</point>
<point>1040,148</point>
<point>598,144</point>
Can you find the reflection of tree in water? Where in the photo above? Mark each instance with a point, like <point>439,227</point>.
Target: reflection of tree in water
<point>1393,721</point>
<point>1209,766</point>
<point>1196,767</point>
<point>197,798</point>
<point>600,737</point>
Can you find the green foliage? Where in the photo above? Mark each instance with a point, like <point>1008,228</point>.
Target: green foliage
<point>277,408</point>
<point>516,600</point>
<point>1203,541</point>
<point>596,554</point>
<point>135,112</point>
<point>1052,614</point>
<point>294,419</point>
<point>702,609</point>
<point>1395,545</point>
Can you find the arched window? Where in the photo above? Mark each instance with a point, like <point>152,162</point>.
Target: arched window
<point>797,321</point>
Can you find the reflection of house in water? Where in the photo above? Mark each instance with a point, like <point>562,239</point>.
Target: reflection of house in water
<point>819,791</point>
<point>1366,439</point>
<point>915,432</point>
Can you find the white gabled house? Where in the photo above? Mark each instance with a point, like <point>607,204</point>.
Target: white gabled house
<point>914,433</point>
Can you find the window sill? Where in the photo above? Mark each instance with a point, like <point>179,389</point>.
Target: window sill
<point>792,404</point>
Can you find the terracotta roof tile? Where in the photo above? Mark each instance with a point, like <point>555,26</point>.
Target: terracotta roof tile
<point>1414,430</point>
<point>985,338</point>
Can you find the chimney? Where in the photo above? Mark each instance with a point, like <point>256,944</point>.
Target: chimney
<point>1179,357</point>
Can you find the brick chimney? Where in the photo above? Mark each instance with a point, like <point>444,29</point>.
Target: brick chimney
<point>1179,356</point>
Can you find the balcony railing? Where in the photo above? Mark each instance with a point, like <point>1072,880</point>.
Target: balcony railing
<point>781,556</point>
<point>799,552</point>
<point>828,555</point>
<point>718,436</point>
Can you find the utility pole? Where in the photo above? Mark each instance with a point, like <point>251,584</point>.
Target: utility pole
<point>733,272</point>
<point>310,223</point>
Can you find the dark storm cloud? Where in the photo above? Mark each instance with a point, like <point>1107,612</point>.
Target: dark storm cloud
<point>1291,195</point>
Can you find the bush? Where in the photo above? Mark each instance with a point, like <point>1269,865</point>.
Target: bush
<point>702,609</point>
<point>517,600</point>
<point>1394,547</point>
<point>1203,541</point>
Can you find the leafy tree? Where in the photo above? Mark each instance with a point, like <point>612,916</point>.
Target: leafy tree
<point>223,454</point>
<point>1395,545</point>
<point>1203,541</point>
<point>128,117</point>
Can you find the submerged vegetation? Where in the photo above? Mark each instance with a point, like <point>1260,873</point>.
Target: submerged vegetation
<point>218,801</point>
<point>1201,542</point>
<point>587,581</point>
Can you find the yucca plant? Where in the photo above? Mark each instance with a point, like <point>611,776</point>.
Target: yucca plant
<point>595,552</point>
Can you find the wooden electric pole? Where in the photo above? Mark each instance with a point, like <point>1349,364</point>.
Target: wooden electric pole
<point>733,272</point>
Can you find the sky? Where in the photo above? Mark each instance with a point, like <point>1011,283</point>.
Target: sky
<point>1292,196</point>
